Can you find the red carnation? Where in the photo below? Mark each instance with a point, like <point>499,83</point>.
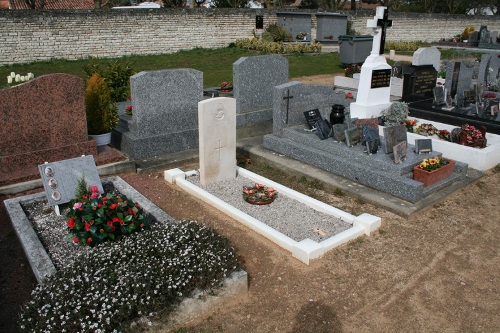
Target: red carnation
<point>75,239</point>
<point>87,226</point>
<point>71,223</point>
<point>105,199</point>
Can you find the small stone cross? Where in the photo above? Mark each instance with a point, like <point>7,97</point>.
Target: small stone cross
<point>217,150</point>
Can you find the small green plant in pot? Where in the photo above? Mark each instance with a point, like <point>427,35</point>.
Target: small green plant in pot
<point>395,114</point>
<point>102,113</point>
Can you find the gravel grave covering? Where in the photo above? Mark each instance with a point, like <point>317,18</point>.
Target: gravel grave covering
<point>290,217</point>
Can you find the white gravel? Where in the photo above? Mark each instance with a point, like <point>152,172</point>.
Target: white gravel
<point>290,217</point>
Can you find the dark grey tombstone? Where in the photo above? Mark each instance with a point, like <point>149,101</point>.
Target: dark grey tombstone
<point>484,66</point>
<point>484,35</point>
<point>494,68</point>
<point>474,38</point>
<point>423,146</point>
<point>254,79</point>
<point>464,79</point>
<point>400,151</point>
<point>60,179</point>
<point>339,132</point>
<point>392,136</point>
<point>418,82</point>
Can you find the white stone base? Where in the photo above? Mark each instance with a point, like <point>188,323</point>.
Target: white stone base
<point>368,111</point>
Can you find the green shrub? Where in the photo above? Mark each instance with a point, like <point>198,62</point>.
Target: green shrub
<point>117,76</point>
<point>405,45</point>
<point>275,47</point>
<point>275,33</point>
<point>102,113</point>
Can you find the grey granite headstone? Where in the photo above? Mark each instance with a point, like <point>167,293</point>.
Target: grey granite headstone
<point>423,146</point>
<point>427,56</point>
<point>439,95</point>
<point>494,68</point>
<point>392,136</point>
<point>165,117</point>
<point>452,73</point>
<point>400,151</point>
<point>474,37</point>
<point>484,35</point>
<point>484,66</point>
<point>493,37</point>
<point>464,79</point>
<point>60,179</point>
<point>254,79</point>
<point>305,97</point>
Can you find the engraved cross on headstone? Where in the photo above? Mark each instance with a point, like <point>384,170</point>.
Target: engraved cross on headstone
<point>287,98</point>
<point>380,23</point>
<point>218,149</point>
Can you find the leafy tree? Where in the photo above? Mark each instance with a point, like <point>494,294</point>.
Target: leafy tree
<point>309,4</point>
<point>229,3</point>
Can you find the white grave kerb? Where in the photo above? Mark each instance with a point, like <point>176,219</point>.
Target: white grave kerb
<point>374,90</point>
<point>217,148</point>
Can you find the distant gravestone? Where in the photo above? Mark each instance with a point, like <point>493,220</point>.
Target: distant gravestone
<point>427,56</point>
<point>392,136</point>
<point>452,73</point>
<point>474,38</point>
<point>217,148</point>
<point>464,80</point>
<point>60,179</point>
<point>42,120</point>
<point>165,113</point>
<point>439,96</point>
<point>493,37</point>
<point>254,79</point>
<point>419,82</point>
<point>484,66</point>
<point>494,68</point>
<point>484,35</point>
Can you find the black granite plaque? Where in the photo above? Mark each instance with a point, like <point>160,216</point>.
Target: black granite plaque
<point>419,82</point>
<point>423,146</point>
<point>312,116</point>
<point>322,129</point>
<point>381,78</point>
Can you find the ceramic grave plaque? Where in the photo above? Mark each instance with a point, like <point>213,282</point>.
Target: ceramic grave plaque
<point>392,136</point>
<point>60,179</point>
<point>400,151</point>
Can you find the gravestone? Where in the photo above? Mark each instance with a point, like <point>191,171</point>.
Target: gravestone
<point>217,132</point>
<point>484,35</point>
<point>419,82</point>
<point>254,79</point>
<point>484,68</point>
<point>165,117</point>
<point>374,89</point>
<point>464,83</point>
<point>423,146</point>
<point>439,96</point>
<point>452,73</point>
<point>493,37</point>
<point>427,56</point>
<point>60,179</point>
<point>288,112</point>
<point>42,120</point>
<point>474,38</point>
<point>392,136</point>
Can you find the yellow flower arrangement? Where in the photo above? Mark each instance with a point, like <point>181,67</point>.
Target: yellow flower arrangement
<point>434,163</point>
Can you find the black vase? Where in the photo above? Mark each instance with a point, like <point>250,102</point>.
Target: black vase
<point>337,115</point>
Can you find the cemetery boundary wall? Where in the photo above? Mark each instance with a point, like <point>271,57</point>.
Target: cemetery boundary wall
<point>29,35</point>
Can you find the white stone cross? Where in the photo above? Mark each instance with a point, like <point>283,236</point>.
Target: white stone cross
<point>379,24</point>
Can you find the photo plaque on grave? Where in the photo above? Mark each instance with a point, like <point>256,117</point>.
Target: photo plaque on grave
<point>311,117</point>
<point>381,78</point>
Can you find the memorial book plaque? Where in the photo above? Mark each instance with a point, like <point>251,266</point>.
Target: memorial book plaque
<point>381,78</point>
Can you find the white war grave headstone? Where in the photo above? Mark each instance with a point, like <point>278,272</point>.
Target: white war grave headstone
<point>374,89</point>
<point>217,148</point>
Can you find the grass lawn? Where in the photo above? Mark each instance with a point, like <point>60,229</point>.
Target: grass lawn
<point>216,64</point>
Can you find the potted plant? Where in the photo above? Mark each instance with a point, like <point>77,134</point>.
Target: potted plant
<point>102,113</point>
<point>396,114</point>
<point>433,170</point>
<point>472,137</point>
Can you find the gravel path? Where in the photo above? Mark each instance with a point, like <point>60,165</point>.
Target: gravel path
<point>288,216</point>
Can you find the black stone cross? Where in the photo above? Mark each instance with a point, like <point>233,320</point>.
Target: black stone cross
<point>383,24</point>
<point>287,97</point>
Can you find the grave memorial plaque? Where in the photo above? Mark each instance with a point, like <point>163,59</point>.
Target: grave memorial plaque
<point>423,146</point>
<point>352,136</point>
<point>381,78</point>
<point>312,116</point>
<point>339,132</point>
<point>392,136</point>
<point>60,179</point>
<point>418,83</point>
<point>322,129</point>
<point>400,151</point>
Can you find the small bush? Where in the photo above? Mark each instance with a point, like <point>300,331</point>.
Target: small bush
<point>278,48</point>
<point>405,45</point>
<point>102,113</point>
<point>275,33</point>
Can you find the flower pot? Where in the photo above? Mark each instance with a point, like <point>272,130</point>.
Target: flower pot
<point>101,139</point>
<point>434,176</point>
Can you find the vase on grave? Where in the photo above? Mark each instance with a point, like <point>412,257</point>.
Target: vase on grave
<point>337,115</point>
<point>432,177</point>
<point>101,139</point>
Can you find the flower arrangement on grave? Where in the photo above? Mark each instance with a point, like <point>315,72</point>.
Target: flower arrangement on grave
<point>434,163</point>
<point>472,135</point>
<point>259,194</point>
<point>467,31</point>
<point>396,114</point>
<point>444,135</point>
<point>128,110</point>
<point>14,78</point>
<point>94,219</point>
<point>427,130</point>
<point>349,71</point>
<point>410,124</point>
<point>490,95</point>
<point>226,86</point>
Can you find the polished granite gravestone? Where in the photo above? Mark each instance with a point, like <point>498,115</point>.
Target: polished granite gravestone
<point>165,113</point>
<point>42,120</point>
<point>377,170</point>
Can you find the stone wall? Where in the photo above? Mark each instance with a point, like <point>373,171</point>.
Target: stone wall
<point>27,35</point>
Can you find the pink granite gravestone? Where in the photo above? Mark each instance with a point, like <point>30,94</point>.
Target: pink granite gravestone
<point>42,120</point>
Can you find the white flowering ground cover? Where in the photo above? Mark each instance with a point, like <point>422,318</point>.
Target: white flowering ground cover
<point>106,288</point>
